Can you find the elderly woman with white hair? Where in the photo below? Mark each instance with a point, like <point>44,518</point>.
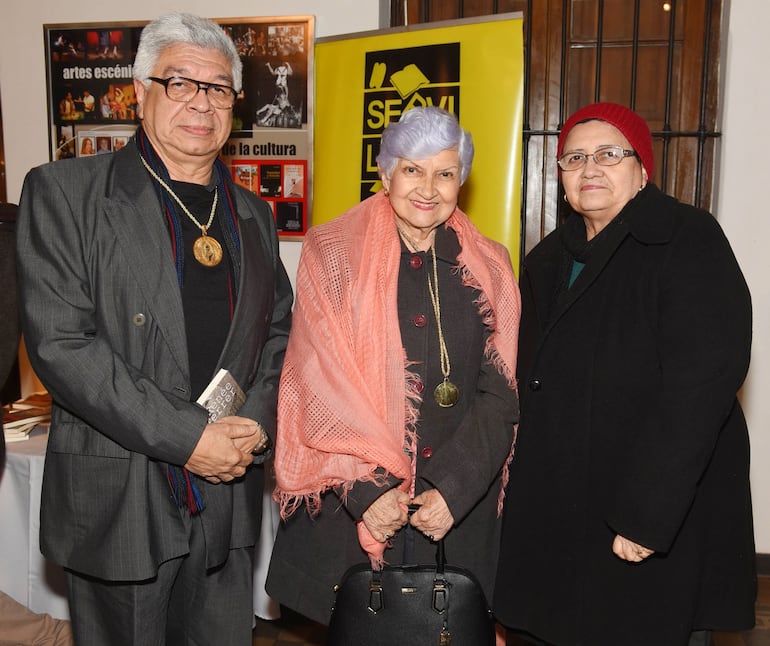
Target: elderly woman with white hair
<point>398,385</point>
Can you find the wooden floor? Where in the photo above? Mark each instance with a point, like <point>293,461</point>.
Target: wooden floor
<point>760,636</point>
<point>292,630</point>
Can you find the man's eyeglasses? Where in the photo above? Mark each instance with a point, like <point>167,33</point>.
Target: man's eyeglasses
<point>603,156</point>
<point>179,88</point>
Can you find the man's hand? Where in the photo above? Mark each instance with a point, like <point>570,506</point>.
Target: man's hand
<point>224,449</point>
<point>251,444</point>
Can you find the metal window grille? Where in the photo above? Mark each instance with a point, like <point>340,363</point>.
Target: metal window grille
<point>659,58</point>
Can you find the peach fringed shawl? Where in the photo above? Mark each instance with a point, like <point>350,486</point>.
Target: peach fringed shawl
<point>345,409</point>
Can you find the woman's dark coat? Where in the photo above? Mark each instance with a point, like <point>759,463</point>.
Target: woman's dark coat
<point>630,425</point>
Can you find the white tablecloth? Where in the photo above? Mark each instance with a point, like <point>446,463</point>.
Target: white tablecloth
<point>24,574</point>
<point>264,606</point>
<point>39,584</point>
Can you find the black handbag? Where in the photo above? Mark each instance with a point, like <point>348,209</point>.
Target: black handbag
<point>419,605</point>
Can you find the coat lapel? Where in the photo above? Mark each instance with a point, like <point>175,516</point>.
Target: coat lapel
<point>637,219</point>
<point>547,280</point>
<point>256,275</point>
<point>593,269</point>
<point>133,209</point>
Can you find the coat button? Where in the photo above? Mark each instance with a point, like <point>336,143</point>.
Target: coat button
<point>535,385</point>
<point>415,262</point>
<point>426,452</point>
<point>139,319</point>
<point>419,320</point>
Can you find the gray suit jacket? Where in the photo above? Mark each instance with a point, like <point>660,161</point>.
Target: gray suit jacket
<point>104,326</point>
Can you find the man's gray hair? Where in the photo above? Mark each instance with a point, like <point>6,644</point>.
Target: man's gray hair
<point>421,133</point>
<point>175,28</point>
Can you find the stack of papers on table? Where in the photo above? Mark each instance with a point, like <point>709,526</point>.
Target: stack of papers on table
<point>20,417</point>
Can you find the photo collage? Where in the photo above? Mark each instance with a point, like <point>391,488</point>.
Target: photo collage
<point>91,98</point>
<point>93,108</point>
<point>282,185</point>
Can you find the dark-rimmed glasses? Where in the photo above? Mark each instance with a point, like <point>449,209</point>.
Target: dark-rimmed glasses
<point>179,88</point>
<point>603,156</point>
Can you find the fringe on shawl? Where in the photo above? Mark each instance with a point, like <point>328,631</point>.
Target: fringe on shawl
<point>374,549</point>
<point>506,473</point>
<point>490,351</point>
<point>289,502</point>
<point>489,320</point>
<point>411,417</point>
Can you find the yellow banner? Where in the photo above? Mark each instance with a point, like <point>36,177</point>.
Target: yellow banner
<point>473,68</point>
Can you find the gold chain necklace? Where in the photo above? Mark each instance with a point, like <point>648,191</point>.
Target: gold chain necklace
<point>407,239</point>
<point>207,251</point>
<point>446,393</point>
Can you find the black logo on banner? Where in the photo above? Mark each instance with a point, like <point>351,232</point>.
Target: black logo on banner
<point>397,80</point>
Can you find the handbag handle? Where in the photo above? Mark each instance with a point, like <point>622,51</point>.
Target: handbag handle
<point>440,556</point>
<point>440,553</point>
<point>440,586</point>
<point>440,602</point>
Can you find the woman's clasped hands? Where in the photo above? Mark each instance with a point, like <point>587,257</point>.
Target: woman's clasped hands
<point>391,511</point>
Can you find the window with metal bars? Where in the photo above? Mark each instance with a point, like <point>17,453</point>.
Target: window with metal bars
<point>659,58</point>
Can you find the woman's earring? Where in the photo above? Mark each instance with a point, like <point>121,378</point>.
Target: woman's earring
<point>565,198</point>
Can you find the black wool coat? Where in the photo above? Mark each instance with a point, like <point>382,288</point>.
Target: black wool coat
<point>630,425</point>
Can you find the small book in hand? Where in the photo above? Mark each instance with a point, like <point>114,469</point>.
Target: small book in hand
<point>223,396</point>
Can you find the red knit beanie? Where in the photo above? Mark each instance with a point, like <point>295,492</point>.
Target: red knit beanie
<point>633,127</point>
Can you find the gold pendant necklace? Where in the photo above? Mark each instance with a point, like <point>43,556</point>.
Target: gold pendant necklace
<point>446,393</point>
<point>408,239</point>
<point>207,251</point>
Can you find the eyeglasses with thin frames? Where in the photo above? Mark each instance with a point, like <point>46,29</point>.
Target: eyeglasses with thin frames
<point>179,88</point>
<point>603,156</point>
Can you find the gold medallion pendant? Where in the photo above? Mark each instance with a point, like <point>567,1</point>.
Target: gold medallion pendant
<point>446,394</point>
<point>207,251</point>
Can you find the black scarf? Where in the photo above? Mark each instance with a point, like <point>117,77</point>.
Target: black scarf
<point>576,248</point>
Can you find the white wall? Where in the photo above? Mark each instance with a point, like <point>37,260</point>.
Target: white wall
<point>22,60</point>
<point>742,188</point>
<point>23,81</point>
<point>743,197</point>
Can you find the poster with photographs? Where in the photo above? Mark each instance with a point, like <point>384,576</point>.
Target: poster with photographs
<point>93,109</point>
<point>91,100</point>
<point>270,149</point>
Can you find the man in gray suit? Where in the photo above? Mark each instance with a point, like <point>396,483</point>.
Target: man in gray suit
<point>141,274</point>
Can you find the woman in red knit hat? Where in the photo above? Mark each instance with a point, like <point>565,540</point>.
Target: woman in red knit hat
<point>628,511</point>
